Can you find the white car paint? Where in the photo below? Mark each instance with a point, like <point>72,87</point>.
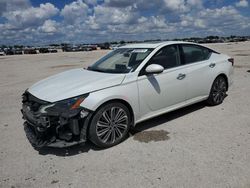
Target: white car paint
<point>148,96</point>
<point>73,83</point>
<point>153,68</point>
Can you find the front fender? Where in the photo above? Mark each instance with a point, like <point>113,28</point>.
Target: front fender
<point>126,92</point>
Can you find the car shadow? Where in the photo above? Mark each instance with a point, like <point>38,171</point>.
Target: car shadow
<point>154,83</point>
<point>84,148</point>
<point>68,151</point>
<point>167,117</point>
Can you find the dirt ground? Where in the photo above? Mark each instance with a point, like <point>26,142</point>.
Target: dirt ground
<point>197,146</point>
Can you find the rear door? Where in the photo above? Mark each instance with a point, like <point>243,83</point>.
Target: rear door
<point>200,69</point>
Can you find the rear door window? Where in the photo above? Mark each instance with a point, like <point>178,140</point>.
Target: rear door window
<point>194,53</point>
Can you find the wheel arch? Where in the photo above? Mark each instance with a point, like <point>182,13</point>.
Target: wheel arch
<point>124,102</point>
<point>225,77</point>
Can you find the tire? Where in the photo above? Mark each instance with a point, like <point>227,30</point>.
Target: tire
<point>218,91</point>
<point>110,125</point>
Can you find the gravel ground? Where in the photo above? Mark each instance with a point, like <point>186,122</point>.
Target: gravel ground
<point>197,146</point>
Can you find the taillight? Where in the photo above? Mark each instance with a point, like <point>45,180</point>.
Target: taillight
<point>231,60</point>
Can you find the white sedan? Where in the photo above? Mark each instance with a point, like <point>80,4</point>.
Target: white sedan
<point>130,84</point>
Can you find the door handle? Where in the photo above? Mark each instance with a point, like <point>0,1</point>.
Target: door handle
<point>181,76</point>
<point>212,65</point>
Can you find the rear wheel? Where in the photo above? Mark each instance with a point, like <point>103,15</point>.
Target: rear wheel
<point>218,91</point>
<point>110,125</point>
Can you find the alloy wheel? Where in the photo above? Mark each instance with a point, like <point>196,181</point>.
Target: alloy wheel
<point>219,90</point>
<point>112,125</point>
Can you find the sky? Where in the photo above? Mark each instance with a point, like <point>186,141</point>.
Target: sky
<point>41,22</point>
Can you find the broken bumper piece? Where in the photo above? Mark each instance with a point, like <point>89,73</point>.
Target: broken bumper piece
<point>57,127</point>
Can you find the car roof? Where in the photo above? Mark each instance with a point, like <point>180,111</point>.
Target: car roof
<point>153,44</point>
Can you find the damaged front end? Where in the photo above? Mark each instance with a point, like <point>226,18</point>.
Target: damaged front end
<point>59,124</point>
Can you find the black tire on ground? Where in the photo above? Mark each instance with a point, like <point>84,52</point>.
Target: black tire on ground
<point>110,125</point>
<point>218,91</point>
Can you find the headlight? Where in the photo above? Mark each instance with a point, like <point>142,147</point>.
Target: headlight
<point>72,103</point>
<point>69,104</point>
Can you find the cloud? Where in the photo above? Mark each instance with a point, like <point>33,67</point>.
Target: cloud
<point>24,23</point>
<point>195,3</point>
<point>242,3</point>
<point>112,15</point>
<point>7,5</point>
<point>178,5</point>
<point>49,26</point>
<point>192,22</point>
<point>109,20</point>
<point>91,2</point>
<point>182,5</point>
<point>30,17</point>
<point>119,3</point>
<point>75,11</point>
<point>3,8</point>
<point>228,21</point>
<point>139,5</point>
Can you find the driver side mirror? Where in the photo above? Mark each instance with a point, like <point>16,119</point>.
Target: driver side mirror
<point>154,69</point>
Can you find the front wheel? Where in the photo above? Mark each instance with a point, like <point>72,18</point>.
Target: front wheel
<point>218,91</point>
<point>110,125</point>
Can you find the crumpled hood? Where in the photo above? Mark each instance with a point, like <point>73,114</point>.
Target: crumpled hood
<point>73,83</point>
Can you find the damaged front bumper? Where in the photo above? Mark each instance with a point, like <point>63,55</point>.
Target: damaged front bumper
<point>55,126</point>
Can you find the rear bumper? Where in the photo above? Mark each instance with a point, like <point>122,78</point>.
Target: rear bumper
<point>55,129</point>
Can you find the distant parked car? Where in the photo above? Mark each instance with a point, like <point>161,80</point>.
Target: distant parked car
<point>66,49</point>
<point>71,49</point>
<point>114,47</point>
<point>127,86</point>
<point>18,51</point>
<point>105,46</point>
<point>43,50</point>
<point>93,47</point>
<point>2,53</point>
<point>52,50</point>
<point>30,51</point>
<point>9,52</point>
<point>86,49</point>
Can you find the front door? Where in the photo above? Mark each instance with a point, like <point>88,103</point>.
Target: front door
<point>159,91</point>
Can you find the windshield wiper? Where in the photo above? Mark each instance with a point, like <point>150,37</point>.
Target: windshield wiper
<point>94,69</point>
<point>111,71</point>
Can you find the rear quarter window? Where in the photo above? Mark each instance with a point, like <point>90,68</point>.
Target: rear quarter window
<point>195,53</point>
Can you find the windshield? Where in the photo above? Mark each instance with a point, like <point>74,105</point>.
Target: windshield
<point>122,60</point>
